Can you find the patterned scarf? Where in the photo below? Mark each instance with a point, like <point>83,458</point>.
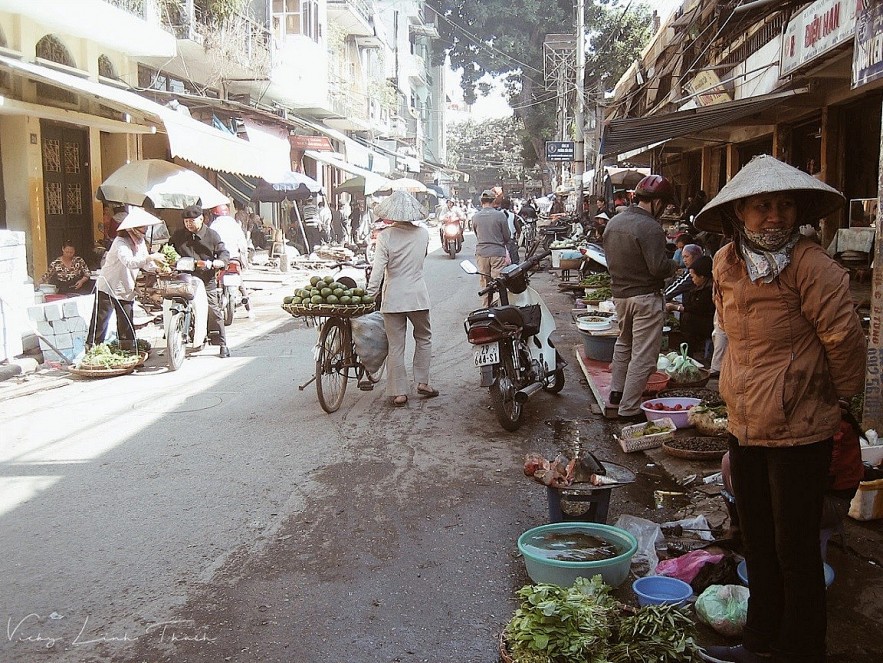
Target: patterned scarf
<point>762,260</point>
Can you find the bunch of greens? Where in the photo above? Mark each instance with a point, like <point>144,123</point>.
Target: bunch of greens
<point>596,281</point>
<point>171,255</point>
<point>599,294</point>
<point>585,624</point>
<point>104,356</point>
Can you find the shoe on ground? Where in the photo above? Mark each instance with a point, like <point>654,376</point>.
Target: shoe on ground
<point>632,418</point>
<point>615,397</point>
<point>224,352</point>
<point>736,654</point>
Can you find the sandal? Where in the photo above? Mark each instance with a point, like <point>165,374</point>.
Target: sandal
<point>427,392</point>
<point>397,403</point>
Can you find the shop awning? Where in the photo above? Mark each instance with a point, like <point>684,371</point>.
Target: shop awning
<point>189,139</point>
<point>239,187</point>
<point>632,133</point>
<point>373,181</point>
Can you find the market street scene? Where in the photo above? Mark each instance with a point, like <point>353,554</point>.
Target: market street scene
<point>429,331</point>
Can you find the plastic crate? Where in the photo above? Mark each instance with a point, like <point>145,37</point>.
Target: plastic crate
<point>630,441</point>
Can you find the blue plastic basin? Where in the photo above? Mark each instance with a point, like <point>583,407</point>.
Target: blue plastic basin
<point>661,590</point>
<point>742,570</point>
<point>558,572</point>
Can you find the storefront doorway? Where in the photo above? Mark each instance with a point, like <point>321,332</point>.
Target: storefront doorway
<point>66,188</point>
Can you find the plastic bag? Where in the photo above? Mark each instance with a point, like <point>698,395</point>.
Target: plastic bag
<point>681,368</point>
<point>649,536</point>
<point>369,337</point>
<point>687,566</point>
<point>724,608</point>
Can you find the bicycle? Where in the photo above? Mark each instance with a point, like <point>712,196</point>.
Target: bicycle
<point>337,360</point>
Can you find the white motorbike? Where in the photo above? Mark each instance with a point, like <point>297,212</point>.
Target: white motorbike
<point>513,344</point>
<point>184,311</point>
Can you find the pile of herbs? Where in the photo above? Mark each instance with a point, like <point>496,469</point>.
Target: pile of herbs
<point>585,624</point>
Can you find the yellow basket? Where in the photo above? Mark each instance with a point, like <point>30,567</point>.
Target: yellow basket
<point>630,439</point>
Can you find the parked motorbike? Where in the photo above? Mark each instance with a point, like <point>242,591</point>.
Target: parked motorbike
<point>513,345</point>
<point>184,310</point>
<point>451,241</point>
<point>232,293</point>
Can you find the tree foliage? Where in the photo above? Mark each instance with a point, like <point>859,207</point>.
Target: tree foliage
<point>489,150</point>
<point>504,38</point>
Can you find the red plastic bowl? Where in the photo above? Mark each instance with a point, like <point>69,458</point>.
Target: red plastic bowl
<point>657,382</point>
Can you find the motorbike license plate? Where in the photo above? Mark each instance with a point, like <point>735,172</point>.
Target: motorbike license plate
<point>232,279</point>
<point>487,354</point>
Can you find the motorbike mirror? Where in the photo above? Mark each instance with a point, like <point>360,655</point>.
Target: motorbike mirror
<point>468,267</point>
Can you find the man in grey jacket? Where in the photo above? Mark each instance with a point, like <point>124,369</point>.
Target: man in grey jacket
<point>634,244</point>
<point>492,231</point>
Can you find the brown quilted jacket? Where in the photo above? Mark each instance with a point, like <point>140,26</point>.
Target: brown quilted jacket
<point>795,346</point>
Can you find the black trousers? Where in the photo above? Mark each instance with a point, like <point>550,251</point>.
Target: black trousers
<point>215,316</point>
<point>104,306</point>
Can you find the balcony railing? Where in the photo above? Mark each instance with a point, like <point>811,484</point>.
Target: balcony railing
<point>345,99</point>
<point>360,7</point>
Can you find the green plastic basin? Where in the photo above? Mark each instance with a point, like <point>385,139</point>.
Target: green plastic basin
<point>613,571</point>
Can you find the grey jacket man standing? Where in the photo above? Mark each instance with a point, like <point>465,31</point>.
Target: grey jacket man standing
<point>492,231</point>
<point>635,246</point>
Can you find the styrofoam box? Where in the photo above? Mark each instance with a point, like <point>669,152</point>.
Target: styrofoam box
<point>873,455</point>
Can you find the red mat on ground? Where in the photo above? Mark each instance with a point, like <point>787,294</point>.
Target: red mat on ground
<point>598,376</point>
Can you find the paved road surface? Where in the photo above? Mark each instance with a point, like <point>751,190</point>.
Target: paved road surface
<point>218,514</point>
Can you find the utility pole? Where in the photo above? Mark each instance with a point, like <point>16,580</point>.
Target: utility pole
<point>579,116</point>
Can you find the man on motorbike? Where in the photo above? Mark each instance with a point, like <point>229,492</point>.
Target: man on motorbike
<point>451,214</point>
<point>196,240</point>
<point>234,240</point>
<point>635,246</point>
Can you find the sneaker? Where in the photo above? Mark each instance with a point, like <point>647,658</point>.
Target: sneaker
<point>632,418</point>
<point>736,654</point>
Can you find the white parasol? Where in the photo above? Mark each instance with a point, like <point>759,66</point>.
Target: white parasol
<point>164,184</point>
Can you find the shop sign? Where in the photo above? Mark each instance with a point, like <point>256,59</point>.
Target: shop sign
<point>867,55</point>
<point>816,30</point>
<point>559,150</point>
<point>315,143</point>
<point>713,92</point>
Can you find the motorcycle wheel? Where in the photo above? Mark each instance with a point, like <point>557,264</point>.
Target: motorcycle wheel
<point>332,365</point>
<point>176,341</point>
<point>452,250</point>
<point>557,382</point>
<point>228,307</point>
<point>503,390</point>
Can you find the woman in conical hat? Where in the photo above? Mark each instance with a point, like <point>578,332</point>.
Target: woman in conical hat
<point>398,269</point>
<point>795,347</point>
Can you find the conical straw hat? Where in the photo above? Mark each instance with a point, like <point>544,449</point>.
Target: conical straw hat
<point>766,174</point>
<point>401,206</point>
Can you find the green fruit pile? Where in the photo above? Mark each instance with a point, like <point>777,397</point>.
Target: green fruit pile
<point>325,290</point>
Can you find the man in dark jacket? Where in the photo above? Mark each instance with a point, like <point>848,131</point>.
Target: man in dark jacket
<point>197,240</point>
<point>634,244</point>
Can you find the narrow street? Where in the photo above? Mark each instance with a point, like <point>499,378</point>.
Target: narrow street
<point>218,514</point>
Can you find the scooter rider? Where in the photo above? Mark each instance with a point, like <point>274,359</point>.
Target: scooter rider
<point>234,240</point>
<point>196,240</point>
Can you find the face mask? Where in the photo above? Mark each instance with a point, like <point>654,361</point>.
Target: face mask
<point>771,238</point>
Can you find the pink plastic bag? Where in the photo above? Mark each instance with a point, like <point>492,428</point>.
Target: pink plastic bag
<point>687,566</point>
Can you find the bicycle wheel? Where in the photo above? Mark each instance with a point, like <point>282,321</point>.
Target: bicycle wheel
<point>332,363</point>
<point>175,340</point>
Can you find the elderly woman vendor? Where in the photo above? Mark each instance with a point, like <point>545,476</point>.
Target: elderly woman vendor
<point>795,347</point>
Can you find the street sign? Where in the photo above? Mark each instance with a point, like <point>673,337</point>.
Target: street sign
<point>559,150</point>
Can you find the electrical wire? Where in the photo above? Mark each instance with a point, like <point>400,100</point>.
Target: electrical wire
<point>479,42</point>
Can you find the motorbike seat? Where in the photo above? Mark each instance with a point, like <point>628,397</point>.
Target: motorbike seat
<point>509,315</point>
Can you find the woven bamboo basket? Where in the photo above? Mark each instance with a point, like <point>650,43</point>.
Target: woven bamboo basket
<point>92,371</point>
<point>630,440</point>
<point>328,310</point>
